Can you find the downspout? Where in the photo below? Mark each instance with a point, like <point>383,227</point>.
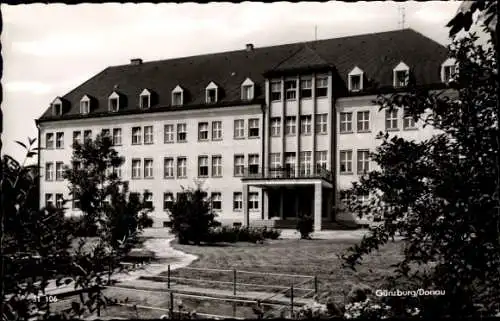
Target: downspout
<point>263,107</point>
<point>37,123</point>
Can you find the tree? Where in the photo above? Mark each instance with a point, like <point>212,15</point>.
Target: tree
<point>192,216</point>
<point>103,197</point>
<point>441,194</point>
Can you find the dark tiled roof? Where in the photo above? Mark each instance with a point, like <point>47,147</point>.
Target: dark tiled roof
<point>376,54</point>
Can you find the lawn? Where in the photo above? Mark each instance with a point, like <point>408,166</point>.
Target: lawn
<point>308,257</point>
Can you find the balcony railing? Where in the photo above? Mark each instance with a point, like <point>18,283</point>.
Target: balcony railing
<point>287,172</point>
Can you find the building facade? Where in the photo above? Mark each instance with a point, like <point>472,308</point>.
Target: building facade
<point>271,133</point>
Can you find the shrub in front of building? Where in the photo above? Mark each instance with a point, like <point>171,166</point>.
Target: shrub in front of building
<point>305,226</point>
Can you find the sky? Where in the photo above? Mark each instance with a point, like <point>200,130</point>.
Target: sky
<point>48,50</point>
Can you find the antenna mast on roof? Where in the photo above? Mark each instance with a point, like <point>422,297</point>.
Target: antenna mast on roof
<point>402,16</point>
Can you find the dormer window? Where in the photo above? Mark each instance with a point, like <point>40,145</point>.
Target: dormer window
<point>177,96</point>
<point>448,70</point>
<point>85,105</point>
<point>145,99</point>
<point>114,102</point>
<point>211,93</point>
<point>356,79</point>
<point>57,107</point>
<point>401,75</point>
<point>247,89</point>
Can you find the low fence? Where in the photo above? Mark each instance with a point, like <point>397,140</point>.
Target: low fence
<point>240,294</point>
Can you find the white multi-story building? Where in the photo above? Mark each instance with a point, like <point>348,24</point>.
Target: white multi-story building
<point>271,133</point>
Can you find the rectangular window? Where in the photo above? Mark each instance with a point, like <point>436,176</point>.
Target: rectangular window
<point>305,163</point>
<point>105,132</point>
<point>136,168</point>
<point>181,167</point>
<point>239,128</point>
<point>291,89</point>
<point>148,168</point>
<point>117,136</point>
<point>181,133</point>
<point>253,201</point>
<point>275,160</point>
<point>290,125</point>
<point>237,201</point>
<point>203,166</point>
<point>321,161</point>
<point>408,120</point>
<point>87,136</point>
<point>211,96</point>
<point>345,161</point>
<point>290,164</point>
<point>401,78</point>
<point>49,200</point>
<point>305,88</point>
<point>84,107</point>
<point>275,126</point>
<point>246,92</point>
<point>117,170</point>
<point>363,121</point>
<point>148,134</point>
<point>363,161</point>
<point>391,119</point>
<point>136,135</point>
<point>276,90</point>
<point>355,82</point>
<point>60,140</point>
<point>253,163</point>
<point>346,122</point>
<point>168,167</point>
<point>177,99</point>
<point>202,131</point>
<point>49,171</point>
<point>49,140</point>
<point>77,137</point>
<point>305,124</point>
<point>216,130</point>
<point>321,123</point>
<point>113,104</point>
<point>448,73</point>
<point>168,133</point>
<point>239,165</point>
<point>216,200</point>
<point>216,166</point>
<point>168,201</point>
<point>59,171</point>
<point>321,86</point>
<point>148,200</point>
<point>253,127</point>
<point>59,200</point>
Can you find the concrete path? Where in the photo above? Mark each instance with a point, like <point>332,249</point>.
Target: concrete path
<point>162,249</point>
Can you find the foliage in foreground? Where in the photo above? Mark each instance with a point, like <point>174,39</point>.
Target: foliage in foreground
<point>441,194</point>
<point>103,197</point>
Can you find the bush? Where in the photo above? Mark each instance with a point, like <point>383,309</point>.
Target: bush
<point>272,233</point>
<point>192,216</point>
<point>305,226</point>
<point>80,227</point>
<point>241,234</point>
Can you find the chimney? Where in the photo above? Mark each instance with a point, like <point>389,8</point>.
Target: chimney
<point>136,61</point>
<point>249,46</point>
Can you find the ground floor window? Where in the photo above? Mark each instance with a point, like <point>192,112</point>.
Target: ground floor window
<point>216,201</point>
<point>237,201</point>
<point>253,201</point>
